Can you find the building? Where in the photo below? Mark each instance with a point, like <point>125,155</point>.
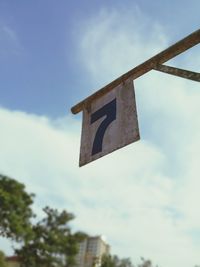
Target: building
<point>91,251</point>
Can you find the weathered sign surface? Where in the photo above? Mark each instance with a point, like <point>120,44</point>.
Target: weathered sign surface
<point>109,115</point>
<point>109,123</point>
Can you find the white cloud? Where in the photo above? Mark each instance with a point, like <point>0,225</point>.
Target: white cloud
<point>144,197</point>
<point>163,217</point>
<point>43,154</point>
<point>134,205</point>
<point>115,41</point>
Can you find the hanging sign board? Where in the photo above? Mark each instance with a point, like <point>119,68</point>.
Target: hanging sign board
<point>109,123</point>
<point>109,115</point>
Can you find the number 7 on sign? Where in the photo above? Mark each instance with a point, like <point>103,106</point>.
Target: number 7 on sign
<point>109,110</point>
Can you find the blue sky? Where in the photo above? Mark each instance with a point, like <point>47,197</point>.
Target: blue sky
<point>53,54</point>
<point>39,68</point>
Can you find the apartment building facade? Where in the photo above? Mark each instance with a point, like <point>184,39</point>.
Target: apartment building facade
<point>91,251</point>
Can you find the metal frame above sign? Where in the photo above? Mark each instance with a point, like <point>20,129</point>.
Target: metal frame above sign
<point>105,111</point>
<point>152,63</point>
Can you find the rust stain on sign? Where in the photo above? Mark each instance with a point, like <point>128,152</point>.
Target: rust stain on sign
<point>109,123</point>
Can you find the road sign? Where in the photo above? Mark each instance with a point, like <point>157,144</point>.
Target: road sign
<point>109,123</point>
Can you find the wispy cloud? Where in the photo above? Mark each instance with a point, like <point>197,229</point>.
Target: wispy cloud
<point>10,33</point>
<point>115,41</point>
<point>9,41</point>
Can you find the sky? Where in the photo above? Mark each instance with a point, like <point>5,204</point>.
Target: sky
<point>145,197</point>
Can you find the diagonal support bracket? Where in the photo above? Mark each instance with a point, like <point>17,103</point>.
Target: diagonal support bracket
<point>150,64</point>
<point>191,75</point>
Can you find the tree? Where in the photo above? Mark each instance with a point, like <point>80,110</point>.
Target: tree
<point>145,263</point>
<point>107,261</point>
<point>53,244</point>
<point>15,211</point>
<point>115,261</point>
<point>3,262</point>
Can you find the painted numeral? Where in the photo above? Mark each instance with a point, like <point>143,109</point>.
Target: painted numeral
<point>109,110</point>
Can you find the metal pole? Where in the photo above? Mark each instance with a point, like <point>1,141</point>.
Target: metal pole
<point>191,75</point>
<point>167,54</point>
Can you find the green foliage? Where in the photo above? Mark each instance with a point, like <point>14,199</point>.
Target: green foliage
<point>15,211</point>
<point>145,263</point>
<point>50,242</point>
<point>107,261</point>
<point>53,243</point>
<point>3,262</point>
<point>115,261</point>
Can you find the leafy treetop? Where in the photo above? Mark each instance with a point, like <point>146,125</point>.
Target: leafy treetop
<point>15,212</point>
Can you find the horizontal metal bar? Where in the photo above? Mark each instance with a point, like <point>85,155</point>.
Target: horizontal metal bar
<point>191,75</point>
<point>167,54</point>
